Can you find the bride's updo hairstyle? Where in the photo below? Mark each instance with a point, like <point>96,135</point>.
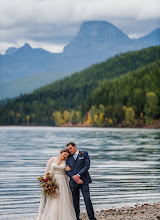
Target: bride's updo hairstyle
<point>65,150</point>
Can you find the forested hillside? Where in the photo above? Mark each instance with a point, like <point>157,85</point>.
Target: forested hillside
<point>131,99</point>
<point>122,91</point>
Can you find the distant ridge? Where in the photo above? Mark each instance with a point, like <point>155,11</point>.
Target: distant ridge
<point>153,38</point>
<point>11,51</point>
<point>24,69</point>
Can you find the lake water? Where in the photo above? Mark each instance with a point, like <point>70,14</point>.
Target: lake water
<point>125,166</point>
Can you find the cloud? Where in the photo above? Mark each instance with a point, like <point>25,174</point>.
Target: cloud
<point>69,11</point>
<point>56,22</point>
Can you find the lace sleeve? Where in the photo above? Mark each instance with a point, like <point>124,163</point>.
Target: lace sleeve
<point>48,166</point>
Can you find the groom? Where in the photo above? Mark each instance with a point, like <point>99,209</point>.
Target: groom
<point>79,163</point>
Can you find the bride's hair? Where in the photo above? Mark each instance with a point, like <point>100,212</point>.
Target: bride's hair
<point>65,150</point>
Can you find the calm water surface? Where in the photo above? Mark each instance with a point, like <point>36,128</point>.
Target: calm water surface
<point>125,166</point>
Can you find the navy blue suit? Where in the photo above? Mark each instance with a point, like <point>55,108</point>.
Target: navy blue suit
<point>80,166</point>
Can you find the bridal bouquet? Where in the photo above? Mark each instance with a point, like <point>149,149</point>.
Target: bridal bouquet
<point>49,185</point>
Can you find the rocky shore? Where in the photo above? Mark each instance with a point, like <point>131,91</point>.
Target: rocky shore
<point>138,212</point>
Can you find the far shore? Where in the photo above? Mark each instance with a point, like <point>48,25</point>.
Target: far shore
<point>138,212</point>
<point>83,126</point>
<point>155,125</point>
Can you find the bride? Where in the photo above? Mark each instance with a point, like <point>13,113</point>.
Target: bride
<point>62,207</point>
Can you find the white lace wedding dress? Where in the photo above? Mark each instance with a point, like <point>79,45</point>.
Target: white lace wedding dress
<point>60,208</point>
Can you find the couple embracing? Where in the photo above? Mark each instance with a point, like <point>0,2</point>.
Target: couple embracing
<point>66,206</point>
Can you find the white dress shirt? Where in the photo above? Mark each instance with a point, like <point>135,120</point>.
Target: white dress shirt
<point>75,155</point>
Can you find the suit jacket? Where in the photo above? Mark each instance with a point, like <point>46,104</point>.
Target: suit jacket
<point>79,166</point>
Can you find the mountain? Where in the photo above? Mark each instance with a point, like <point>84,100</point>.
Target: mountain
<point>78,92</point>
<point>22,62</point>
<point>94,34</point>
<point>97,36</point>
<point>11,50</point>
<point>24,69</point>
<point>152,39</point>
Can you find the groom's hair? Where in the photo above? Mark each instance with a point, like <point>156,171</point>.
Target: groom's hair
<point>71,143</point>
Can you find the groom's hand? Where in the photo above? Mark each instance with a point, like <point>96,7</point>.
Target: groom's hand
<point>80,181</point>
<point>76,178</point>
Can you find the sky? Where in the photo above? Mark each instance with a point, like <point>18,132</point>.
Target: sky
<point>51,24</point>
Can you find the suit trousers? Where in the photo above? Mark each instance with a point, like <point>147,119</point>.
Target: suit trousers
<point>86,195</point>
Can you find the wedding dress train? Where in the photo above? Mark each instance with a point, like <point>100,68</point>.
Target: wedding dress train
<point>60,208</point>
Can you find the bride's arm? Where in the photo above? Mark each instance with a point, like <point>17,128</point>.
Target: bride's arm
<point>69,173</point>
<point>48,166</point>
<point>68,168</point>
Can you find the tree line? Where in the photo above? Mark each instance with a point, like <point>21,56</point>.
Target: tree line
<point>123,90</point>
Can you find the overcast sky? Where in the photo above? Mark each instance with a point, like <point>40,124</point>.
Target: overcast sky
<point>50,24</point>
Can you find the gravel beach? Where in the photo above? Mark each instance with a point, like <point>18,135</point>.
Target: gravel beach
<point>138,212</point>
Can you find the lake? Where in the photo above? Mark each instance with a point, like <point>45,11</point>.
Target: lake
<point>125,166</point>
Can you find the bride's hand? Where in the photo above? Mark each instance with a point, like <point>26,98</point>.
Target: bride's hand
<point>68,168</point>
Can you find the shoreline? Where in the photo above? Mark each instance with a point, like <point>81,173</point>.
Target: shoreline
<point>154,125</point>
<point>144,211</point>
<point>84,126</point>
